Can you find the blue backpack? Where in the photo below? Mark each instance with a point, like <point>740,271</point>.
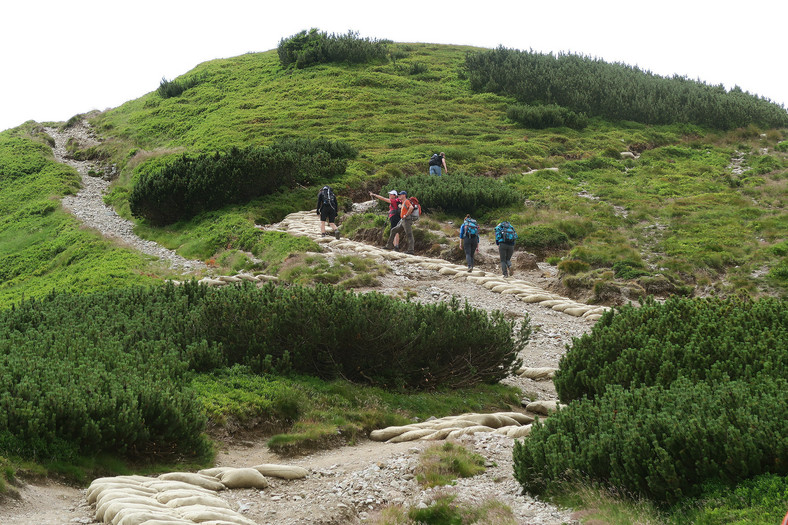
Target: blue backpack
<point>504,232</point>
<point>471,228</point>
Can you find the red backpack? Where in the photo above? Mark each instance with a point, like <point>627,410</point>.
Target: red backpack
<point>414,215</point>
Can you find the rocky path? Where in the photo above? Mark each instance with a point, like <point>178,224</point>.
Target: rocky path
<point>88,204</point>
<point>351,484</point>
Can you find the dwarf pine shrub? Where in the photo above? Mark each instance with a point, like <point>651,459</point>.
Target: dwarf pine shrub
<point>701,339</point>
<point>660,442</point>
<point>458,193</point>
<point>547,116</point>
<point>107,372</point>
<point>189,184</point>
<point>616,91</point>
<point>311,47</point>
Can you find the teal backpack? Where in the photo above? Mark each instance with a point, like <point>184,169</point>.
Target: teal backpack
<point>504,232</point>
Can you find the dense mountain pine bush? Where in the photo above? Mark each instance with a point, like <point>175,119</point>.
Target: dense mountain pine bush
<point>458,193</point>
<point>311,47</point>
<point>189,184</point>
<point>616,91</point>
<point>665,397</point>
<point>660,442</point>
<point>655,344</point>
<point>107,372</point>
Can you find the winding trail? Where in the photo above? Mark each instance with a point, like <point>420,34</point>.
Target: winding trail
<point>88,204</point>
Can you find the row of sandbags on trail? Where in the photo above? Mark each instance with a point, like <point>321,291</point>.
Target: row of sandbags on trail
<point>307,224</point>
<point>510,424</point>
<point>180,498</point>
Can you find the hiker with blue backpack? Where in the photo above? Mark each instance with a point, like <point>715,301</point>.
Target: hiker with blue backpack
<point>505,237</point>
<point>469,239</point>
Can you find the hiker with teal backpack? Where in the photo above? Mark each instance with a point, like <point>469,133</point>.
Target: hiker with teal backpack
<point>469,239</point>
<point>505,236</point>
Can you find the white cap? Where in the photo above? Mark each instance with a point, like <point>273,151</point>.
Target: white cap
<point>393,192</point>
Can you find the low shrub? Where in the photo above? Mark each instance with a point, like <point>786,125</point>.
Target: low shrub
<point>313,47</point>
<point>107,372</point>
<point>573,266</point>
<point>188,184</point>
<point>174,88</point>
<point>542,238</point>
<point>457,194</point>
<point>547,116</point>
<point>660,442</point>
<point>655,344</point>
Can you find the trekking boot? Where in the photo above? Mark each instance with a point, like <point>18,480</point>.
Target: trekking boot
<point>323,234</point>
<point>387,247</point>
<point>396,248</point>
<point>409,252</point>
<point>511,272</point>
<point>336,233</point>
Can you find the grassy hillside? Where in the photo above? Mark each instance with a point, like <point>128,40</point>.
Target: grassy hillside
<point>677,215</point>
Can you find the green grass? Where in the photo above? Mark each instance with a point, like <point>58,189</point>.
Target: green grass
<point>306,413</point>
<point>43,248</point>
<point>443,464</point>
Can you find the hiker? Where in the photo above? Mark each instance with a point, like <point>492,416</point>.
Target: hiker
<point>327,209</point>
<point>409,213</point>
<point>469,239</point>
<point>394,210</point>
<point>438,161</point>
<point>505,236</point>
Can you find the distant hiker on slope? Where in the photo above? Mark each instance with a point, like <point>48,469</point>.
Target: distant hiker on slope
<point>505,236</point>
<point>409,213</point>
<point>327,209</point>
<point>469,239</point>
<point>438,161</point>
<point>394,210</point>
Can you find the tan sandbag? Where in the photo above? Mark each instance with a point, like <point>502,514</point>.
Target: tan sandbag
<point>166,496</point>
<point>447,271</point>
<point>204,499</point>
<point>576,311</point>
<point>452,423</point>
<point>507,421</point>
<point>537,374</point>
<point>520,432</point>
<point>487,420</point>
<point>535,298</point>
<point>439,434</point>
<point>469,431</point>
<point>543,407</point>
<point>281,471</point>
<point>493,283</point>
<point>213,472</point>
<point>131,516</point>
<point>192,478</point>
<point>229,278</point>
<point>593,311</point>
<point>162,485</point>
<point>594,317</point>
<point>243,478</point>
<point>384,434</point>
<point>549,303</point>
<point>411,435</point>
<point>168,521</point>
<point>116,510</point>
<point>200,513</point>
<point>523,419</point>
<point>113,505</point>
<point>95,489</point>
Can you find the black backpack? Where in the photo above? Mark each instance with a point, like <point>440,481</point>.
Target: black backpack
<point>435,160</point>
<point>329,197</point>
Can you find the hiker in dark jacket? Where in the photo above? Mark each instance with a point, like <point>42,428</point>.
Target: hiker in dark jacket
<point>438,161</point>
<point>327,209</point>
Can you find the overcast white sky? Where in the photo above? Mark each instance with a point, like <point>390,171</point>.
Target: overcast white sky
<point>61,58</point>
